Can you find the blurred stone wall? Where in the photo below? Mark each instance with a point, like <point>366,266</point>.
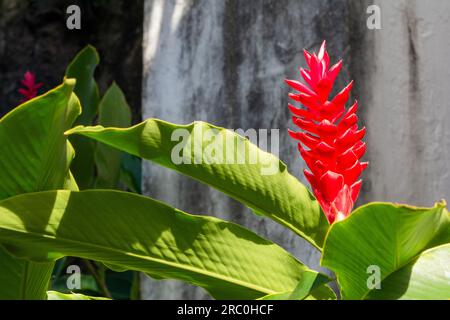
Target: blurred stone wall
<point>33,36</point>
<point>224,62</point>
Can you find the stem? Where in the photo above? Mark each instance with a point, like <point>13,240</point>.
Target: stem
<point>100,280</point>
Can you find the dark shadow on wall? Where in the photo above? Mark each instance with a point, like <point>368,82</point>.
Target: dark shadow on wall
<point>34,36</point>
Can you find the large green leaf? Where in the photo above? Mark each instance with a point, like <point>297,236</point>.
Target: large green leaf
<point>391,240</point>
<point>427,277</point>
<point>82,68</point>
<point>113,112</point>
<point>34,156</point>
<point>21,279</point>
<point>249,177</point>
<point>138,233</point>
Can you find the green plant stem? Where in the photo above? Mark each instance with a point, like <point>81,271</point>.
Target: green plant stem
<point>100,280</point>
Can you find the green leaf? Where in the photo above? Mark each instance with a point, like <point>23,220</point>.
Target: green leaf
<point>113,112</point>
<point>142,234</point>
<point>391,239</point>
<point>427,277</point>
<point>323,292</point>
<point>312,286</point>
<point>307,284</point>
<point>82,68</point>
<point>54,295</point>
<point>34,156</point>
<point>260,181</point>
<point>21,279</point>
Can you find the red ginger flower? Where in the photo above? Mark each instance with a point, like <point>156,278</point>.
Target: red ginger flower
<point>31,87</point>
<point>332,138</point>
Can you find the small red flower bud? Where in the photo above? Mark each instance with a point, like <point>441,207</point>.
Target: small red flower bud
<point>331,146</point>
<point>31,87</point>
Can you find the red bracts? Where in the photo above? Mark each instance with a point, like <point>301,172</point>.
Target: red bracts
<point>31,87</point>
<point>330,142</point>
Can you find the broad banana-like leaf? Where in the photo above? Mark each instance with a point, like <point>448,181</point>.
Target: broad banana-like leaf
<point>34,156</point>
<point>82,68</point>
<point>138,233</point>
<point>312,286</point>
<point>426,277</point>
<point>113,112</point>
<point>54,295</point>
<point>227,162</point>
<point>388,251</point>
<point>21,279</point>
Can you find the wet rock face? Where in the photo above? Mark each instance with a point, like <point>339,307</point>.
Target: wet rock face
<point>33,35</point>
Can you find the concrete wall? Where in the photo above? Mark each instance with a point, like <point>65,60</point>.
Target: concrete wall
<point>224,62</point>
<point>408,111</point>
